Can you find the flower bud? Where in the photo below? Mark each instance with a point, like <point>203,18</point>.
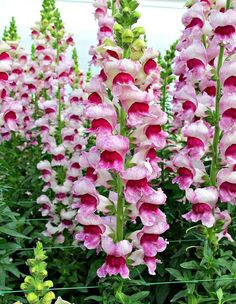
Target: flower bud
<point>127,36</point>
<point>136,15</point>
<point>139,30</point>
<point>48,284</point>
<point>49,296</point>
<point>32,298</point>
<point>39,286</point>
<point>138,45</point>
<point>118,28</point>
<point>126,10</point>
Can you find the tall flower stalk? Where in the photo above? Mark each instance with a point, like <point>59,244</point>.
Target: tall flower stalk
<point>125,119</point>
<point>203,108</point>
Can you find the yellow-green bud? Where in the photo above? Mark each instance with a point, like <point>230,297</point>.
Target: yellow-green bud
<point>136,55</point>
<point>118,28</point>
<point>48,284</point>
<point>32,298</point>
<point>39,286</point>
<point>49,296</point>
<point>24,286</point>
<point>127,36</point>
<point>139,30</point>
<point>29,280</point>
<point>108,42</point>
<point>136,15</point>
<point>138,45</point>
<point>126,10</point>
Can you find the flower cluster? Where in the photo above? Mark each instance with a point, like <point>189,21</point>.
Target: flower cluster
<point>58,118</point>
<point>204,110</point>
<point>125,132</point>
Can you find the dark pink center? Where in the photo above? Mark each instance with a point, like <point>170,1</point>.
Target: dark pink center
<point>195,22</point>
<point>149,66</point>
<point>145,207</point>
<point>123,78</point>
<point>138,183</point>
<point>231,151</point>
<point>10,116</point>
<point>105,29</point>
<point>193,142</point>
<point>113,54</point>
<point>149,238</point>
<point>184,172</point>
<point>226,30</point>
<point>3,76</point>
<point>229,187</point>
<point>153,130</point>
<point>95,98</point>
<point>211,91</point>
<point>90,173</point>
<point>114,261</point>
<point>111,157</point>
<point>201,208</point>
<point>194,63</point>
<point>101,123</point>
<point>230,113</point>
<point>88,199</point>
<point>138,107</point>
<point>152,154</point>
<point>189,105</point>
<point>4,56</point>
<point>231,81</point>
<point>59,157</point>
<point>92,229</point>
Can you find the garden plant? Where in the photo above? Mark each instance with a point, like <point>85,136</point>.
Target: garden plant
<point>123,176</point>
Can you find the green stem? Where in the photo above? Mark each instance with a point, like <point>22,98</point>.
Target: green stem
<point>215,148</point>
<point>228,4</point>
<point>59,121</point>
<point>120,210</point>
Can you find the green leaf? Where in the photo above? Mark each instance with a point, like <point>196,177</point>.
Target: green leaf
<point>190,265</point>
<point>175,273</point>
<point>139,296</point>
<point>229,298</point>
<point>220,294</point>
<point>180,294</point>
<point>12,233</point>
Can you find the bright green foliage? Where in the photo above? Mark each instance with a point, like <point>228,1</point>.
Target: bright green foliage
<point>127,36</point>
<point>11,33</point>
<point>13,30</point>
<point>5,36</point>
<point>75,58</point>
<point>89,74</point>
<point>36,289</point>
<point>166,75</point>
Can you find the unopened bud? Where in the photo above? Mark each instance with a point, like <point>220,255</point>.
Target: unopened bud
<point>32,298</point>
<point>118,28</point>
<point>138,45</point>
<point>127,36</point>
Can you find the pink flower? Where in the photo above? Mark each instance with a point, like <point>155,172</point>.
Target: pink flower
<point>226,180</point>
<point>113,150</point>
<point>136,183</point>
<point>228,146</point>
<point>115,262</point>
<point>103,118</point>
<point>223,24</point>
<point>93,229</point>
<point>228,110</point>
<point>203,201</point>
<point>148,208</point>
<point>88,197</point>
<point>227,76</point>
<point>194,17</point>
<point>198,135</point>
